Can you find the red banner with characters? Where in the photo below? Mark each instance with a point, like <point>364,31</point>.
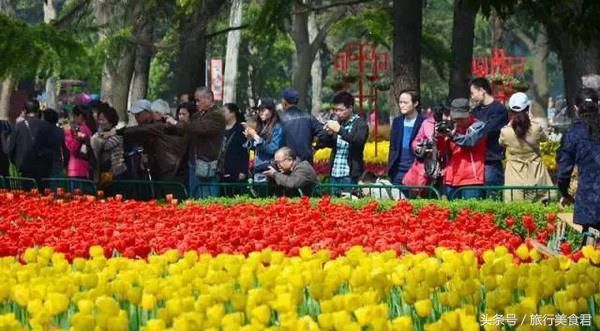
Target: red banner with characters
<point>216,78</point>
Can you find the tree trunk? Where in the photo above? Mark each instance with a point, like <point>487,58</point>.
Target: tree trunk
<point>51,82</point>
<point>304,54</point>
<point>7,84</point>
<point>191,58</point>
<point>463,32</point>
<point>406,62</point>
<point>141,67</point>
<point>497,29</point>
<point>6,89</point>
<point>306,47</point>
<point>577,60</point>
<point>316,72</point>
<point>231,55</point>
<point>539,49</point>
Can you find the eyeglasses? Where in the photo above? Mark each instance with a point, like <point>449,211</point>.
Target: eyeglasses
<point>339,109</point>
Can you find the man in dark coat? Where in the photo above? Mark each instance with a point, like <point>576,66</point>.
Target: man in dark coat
<point>204,134</point>
<point>28,145</point>
<point>299,127</point>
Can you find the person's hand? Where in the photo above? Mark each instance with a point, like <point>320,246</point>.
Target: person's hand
<point>566,201</point>
<point>332,126</point>
<point>242,176</point>
<point>80,136</point>
<point>270,172</point>
<point>170,121</point>
<point>250,133</point>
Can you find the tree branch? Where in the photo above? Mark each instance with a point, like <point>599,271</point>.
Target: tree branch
<point>75,12</point>
<point>332,5</point>
<point>320,37</point>
<point>525,39</point>
<point>233,28</point>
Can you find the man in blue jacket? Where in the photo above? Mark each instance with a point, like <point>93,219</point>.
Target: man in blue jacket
<point>299,127</point>
<point>404,130</point>
<point>495,117</point>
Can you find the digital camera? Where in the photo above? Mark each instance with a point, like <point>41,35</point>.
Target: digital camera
<point>443,126</point>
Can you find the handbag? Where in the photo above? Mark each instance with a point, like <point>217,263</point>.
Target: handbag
<point>206,168</point>
<point>84,152</point>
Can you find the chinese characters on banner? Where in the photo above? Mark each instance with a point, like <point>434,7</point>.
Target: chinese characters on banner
<point>216,78</point>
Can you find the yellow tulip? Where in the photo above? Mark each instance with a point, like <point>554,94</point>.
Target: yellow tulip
<point>155,325</point>
<point>30,255</point>
<point>56,303</point>
<point>402,323</point>
<point>423,308</point>
<point>523,252</point>
<point>261,314</point>
<point>107,305</point>
<point>118,323</point>
<point>83,322</point>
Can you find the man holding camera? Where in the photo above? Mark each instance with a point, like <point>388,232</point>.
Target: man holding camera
<point>346,137</point>
<point>292,175</point>
<point>463,140</point>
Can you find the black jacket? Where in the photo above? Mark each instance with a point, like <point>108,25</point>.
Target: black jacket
<point>299,129</point>
<point>234,159</point>
<point>357,138</point>
<point>29,145</point>
<point>396,137</point>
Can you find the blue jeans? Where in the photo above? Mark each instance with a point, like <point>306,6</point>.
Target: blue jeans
<point>463,194</point>
<point>341,180</point>
<point>494,176</point>
<point>206,190</point>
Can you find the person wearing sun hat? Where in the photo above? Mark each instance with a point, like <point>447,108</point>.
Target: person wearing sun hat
<point>464,144</point>
<point>521,138</point>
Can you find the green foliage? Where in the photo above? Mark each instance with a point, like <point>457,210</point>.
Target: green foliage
<point>38,49</point>
<point>270,20</point>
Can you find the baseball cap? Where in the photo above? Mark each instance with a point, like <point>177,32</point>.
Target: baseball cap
<point>160,106</point>
<point>291,95</point>
<point>140,106</point>
<point>266,103</point>
<point>518,102</point>
<point>459,108</point>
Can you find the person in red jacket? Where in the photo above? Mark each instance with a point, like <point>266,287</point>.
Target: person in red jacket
<point>463,140</point>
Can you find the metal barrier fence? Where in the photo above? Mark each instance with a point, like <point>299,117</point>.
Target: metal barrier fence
<point>145,190</point>
<point>255,190</point>
<point>149,190</point>
<point>84,186</point>
<point>508,193</point>
<point>377,191</point>
<point>19,183</point>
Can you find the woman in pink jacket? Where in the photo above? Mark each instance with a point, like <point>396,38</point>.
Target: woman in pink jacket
<point>77,139</point>
<point>416,175</point>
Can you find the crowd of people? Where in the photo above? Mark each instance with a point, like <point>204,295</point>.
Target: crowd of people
<point>462,143</point>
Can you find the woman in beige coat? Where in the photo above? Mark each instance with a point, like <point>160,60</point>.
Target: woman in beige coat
<point>521,138</point>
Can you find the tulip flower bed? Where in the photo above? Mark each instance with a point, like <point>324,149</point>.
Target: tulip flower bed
<point>266,290</point>
<point>135,229</point>
<point>89,263</point>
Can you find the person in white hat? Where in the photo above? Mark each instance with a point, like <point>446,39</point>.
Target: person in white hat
<point>521,138</point>
<point>142,111</point>
<point>161,110</point>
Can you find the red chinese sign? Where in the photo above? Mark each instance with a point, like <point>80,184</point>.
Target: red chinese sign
<point>370,64</point>
<point>500,69</point>
<point>216,78</point>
